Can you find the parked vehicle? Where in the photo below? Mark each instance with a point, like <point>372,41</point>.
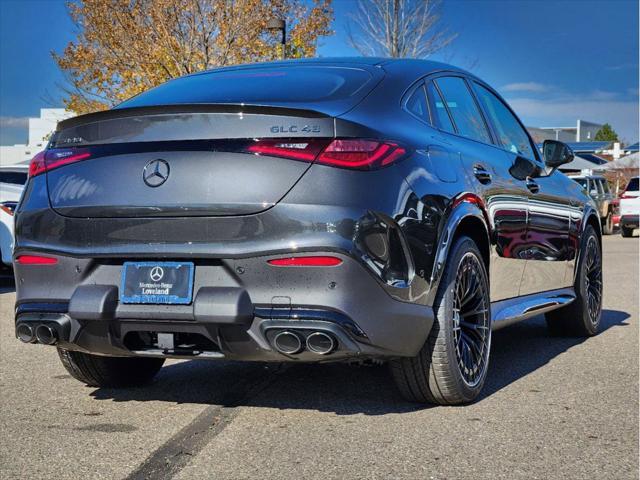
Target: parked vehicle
<point>304,211</point>
<point>630,208</point>
<point>12,180</point>
<point>615,204</point>
<point>598,189</point>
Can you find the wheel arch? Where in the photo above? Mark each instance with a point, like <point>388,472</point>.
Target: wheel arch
<point>466,218</point>
<point>592,218</point>
<point>474,228</point>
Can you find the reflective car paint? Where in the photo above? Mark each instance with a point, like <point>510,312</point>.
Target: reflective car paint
<point>396,223</point>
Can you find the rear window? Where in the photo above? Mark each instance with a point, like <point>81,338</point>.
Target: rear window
<point>633,185</point>
<point>258,85</point>
<point>16,178</point>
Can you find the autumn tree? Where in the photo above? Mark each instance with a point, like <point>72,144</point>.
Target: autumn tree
<point>606,134</point>
<point>124,47</point>
<point>398,28</point>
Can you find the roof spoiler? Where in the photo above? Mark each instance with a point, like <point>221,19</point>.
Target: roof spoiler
<point>185,108</point>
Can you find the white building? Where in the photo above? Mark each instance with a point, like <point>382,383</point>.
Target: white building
<point>39,130</point>
<point>583,132</point>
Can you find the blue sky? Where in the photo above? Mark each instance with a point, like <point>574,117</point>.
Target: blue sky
<point>555,61</point>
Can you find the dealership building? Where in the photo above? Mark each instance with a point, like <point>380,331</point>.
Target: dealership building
<point>39,130</point>
<point>583,132</point>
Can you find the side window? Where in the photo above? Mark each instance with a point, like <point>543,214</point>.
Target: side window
<point>438,110</point>
<point>417,104</point>
<point>464,111</point>
<point>511,135</point>
<point>600,186</point>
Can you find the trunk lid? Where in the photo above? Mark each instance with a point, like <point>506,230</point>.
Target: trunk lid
<point>178,160</point>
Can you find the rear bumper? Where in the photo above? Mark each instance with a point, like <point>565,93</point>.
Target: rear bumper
<point>630,221</point>
<point>329,211</point>
<point>238,308</point>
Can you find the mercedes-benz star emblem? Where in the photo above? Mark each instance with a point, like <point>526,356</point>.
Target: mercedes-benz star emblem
<point>155,172</point>
<point>156,274</point>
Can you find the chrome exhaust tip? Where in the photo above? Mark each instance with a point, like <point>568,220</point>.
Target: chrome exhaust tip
<point>46,335</point>
<point>321,343</point>
<point>287,342</point>
<point>25,333</point>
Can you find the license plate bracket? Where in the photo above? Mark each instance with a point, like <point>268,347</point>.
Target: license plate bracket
<point>157,283</point>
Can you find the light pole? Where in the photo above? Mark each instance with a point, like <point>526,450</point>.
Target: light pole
<point>279,24</point>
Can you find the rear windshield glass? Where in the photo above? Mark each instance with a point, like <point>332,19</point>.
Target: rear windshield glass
<point>633,185</point>
<point>16,178</point>
<point>257,85</point>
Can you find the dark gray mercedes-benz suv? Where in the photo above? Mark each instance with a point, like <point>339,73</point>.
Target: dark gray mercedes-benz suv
<point>303,211</point>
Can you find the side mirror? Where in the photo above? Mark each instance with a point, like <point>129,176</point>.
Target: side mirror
<point>556,153</point>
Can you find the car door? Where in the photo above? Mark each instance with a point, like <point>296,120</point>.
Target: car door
<point>487,170</point>
<point>548,199</point>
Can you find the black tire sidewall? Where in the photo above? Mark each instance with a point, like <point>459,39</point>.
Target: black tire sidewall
<point>444,313</point>
<point>581,284</point>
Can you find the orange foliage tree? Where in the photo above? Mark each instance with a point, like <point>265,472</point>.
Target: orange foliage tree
<point>124,47</point>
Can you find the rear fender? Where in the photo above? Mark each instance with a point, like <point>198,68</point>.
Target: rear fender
<point>464,207</point>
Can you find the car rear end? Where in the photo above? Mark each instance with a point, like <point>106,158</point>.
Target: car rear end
<point>630,207</point>
<point>192,224</point>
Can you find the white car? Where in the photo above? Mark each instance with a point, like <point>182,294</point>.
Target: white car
<point>630,208</point>
<point>12,181</point>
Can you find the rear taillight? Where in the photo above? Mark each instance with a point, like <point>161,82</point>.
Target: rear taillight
<point>50,159</point>
<point>360,154</point>
<point>314,261</point>
<point>36,166</point>
<point>305,150</point>
<point>35,260</point>
<point>357,154</point>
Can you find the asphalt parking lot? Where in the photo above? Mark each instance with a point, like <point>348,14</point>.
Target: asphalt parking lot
<point>551,408</point>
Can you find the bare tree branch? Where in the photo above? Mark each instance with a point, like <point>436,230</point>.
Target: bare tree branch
<point>398,28</point>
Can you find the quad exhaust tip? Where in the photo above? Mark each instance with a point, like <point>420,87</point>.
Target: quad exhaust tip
<point>287,342</point>
<point>46,335</point>
<point>321,343</point>
<point>25,333</point>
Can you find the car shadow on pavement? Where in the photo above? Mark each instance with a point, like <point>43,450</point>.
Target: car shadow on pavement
<point>338,388</point>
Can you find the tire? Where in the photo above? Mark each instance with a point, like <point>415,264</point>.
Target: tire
<point>97,371</point>
<point>581,317</point>
<point>626,232</point>
<point>607,227</point>
<point>438,373</point>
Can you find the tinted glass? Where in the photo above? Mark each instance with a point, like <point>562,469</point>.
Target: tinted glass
<point>463,108</point>
<point>288,84</point>
<point>417,104</point>
<point>582,181</point>
<point>441,117</point>
<point>633,185</point>
<point>511,135</point>
<point>17,178</point>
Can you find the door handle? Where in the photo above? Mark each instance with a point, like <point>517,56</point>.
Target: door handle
<point>532,186</point>
<point>482,174</point>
